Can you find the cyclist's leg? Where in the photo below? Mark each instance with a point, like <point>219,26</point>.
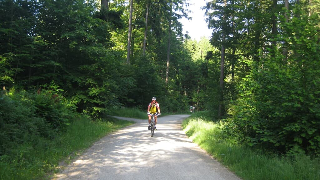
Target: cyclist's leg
<point>155,119</point>
<point>149,118</point>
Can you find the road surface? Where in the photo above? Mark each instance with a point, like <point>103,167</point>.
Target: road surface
<point>131,153</point>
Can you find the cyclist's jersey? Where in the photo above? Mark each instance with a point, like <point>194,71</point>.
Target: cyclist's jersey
<point>153,107</point>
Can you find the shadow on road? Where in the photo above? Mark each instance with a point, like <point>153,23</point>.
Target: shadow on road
<point>131,153</point>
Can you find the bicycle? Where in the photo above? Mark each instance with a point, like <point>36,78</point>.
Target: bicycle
<point>152,124</point>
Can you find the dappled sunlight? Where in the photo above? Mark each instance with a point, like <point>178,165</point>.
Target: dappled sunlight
<point>132,152</point>
<point>82,162</point>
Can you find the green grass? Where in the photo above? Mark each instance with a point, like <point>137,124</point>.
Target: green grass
<point>247,163</point>
<point>129,112</point>
<point>137,113</point>
<point>38,162</point>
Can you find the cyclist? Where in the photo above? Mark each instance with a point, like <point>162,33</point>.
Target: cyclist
<point>153,108</point>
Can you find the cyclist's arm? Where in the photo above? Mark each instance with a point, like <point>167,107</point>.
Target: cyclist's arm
<point>148,108</point>
<point>159,109</point>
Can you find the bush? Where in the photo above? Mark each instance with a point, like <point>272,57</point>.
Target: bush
<point>17,123</point>
<point>279,101</point>
<point>54,109</point>
<point>26,117</point>
<point>248,163</point>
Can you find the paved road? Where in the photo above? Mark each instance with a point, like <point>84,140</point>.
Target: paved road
<point>131,153</point>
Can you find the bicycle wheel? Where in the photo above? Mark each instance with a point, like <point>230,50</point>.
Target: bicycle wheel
<point>152,130</point>
<point>152,126</point>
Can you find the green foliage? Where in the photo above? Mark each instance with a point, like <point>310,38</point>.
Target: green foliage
<point>16,25</point>
<point>54,109</point>
<point>271,73</point>
<point>244,161</point>
<point>18,123</point>
<point>279,102</point>
<point>27,161</point>
<point>129,112</point>
<point>111,16</point>
<point>72,44</point>
<point>64,42</point>
<point>77,51</point>
<point>26,116</point>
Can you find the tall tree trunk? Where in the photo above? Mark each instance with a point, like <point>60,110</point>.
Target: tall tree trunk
<point>298,13</point>
<point>221,108</point>
<point>168,56</point>
<point>233,63</point>
<point>223,50</point>
<point>310,7</point>
<point>233,60</point>
<point>105,4</point>
<point>169,44</point>
<point>129,32</point>
<point>286,5</point>
<point>257,43</point>
<point>145,31</point>
<point>285,48</point>
<point>274,27</point>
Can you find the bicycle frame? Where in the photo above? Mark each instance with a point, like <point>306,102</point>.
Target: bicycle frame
<point>152,125</point>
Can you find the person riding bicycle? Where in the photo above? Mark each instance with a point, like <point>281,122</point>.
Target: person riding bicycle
<point>153,108</point>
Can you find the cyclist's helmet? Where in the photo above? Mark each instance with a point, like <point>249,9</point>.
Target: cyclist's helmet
<point>154,98</point>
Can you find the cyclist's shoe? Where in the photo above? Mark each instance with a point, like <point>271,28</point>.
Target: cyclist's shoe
<point>155,127</point>
<point>149,127</point>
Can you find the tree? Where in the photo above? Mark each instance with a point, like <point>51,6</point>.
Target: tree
<point>219,39</point>
<point>129,32</point>
<point>105,4</point>
<point>273,109</point>
<point>17,50</point>
<point>169,44</point>
<point>146,29</point>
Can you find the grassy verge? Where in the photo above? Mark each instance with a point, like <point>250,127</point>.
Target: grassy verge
<point>133,113</point>
<point>129,112</point>
<point>36,162</point>
<point>248,164</point>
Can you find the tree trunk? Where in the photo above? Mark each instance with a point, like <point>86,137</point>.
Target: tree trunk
<point>129,32</point>
<point>285,48</point>
<point>286,5</point>
<point>105,4</point>
<point>169,44</point>
<point>221,108</point>
<point>233,60</point>
<point>274,27</point>
<point>223,50</point>
<point>168,56</point>
<point>233,63</point>
<point>145,31</point>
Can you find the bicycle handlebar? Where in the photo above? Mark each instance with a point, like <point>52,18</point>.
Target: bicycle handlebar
<point>158,114</point>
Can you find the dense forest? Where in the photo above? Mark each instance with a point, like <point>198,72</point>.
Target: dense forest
<point>258,74</point>
<point>86,53</point>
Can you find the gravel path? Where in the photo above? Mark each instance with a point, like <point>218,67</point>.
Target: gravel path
<point>131,153</point>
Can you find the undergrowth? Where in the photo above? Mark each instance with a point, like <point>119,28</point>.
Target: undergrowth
<point>245,162</point>
<point>38,132</point>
